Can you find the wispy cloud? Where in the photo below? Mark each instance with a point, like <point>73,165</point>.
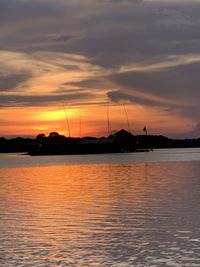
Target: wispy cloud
<point>143,52</point>
<point>32,74</point>
<point>162,64</point>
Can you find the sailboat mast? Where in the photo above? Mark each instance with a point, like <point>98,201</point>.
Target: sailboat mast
<point>127,119</point>
<point>80,124</point>
<point>108,118</point>
<point>67,120</point>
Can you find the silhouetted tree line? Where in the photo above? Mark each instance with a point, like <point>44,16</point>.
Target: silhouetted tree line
<point>21,145</point>
<point>159,141</point>
<point>18,144</point>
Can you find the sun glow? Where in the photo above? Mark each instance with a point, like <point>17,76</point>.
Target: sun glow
<point>89,120</point>
<point>57,115</point>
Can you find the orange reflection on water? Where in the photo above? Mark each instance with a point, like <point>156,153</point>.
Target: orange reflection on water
<point>80,189</point>
<point>92,214</point>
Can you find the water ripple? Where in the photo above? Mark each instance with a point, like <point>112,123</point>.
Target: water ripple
<point>141,214</point>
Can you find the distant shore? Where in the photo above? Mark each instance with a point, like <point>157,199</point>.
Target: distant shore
<point>21,145</point>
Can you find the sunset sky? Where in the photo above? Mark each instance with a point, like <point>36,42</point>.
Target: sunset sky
<point>71,58</point>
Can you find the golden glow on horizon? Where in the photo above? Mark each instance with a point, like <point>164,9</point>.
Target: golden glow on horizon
<point>54,79</point>
<point>34,120</point>
<point>56,115</point>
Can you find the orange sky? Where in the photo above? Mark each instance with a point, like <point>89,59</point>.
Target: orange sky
<point>56,90</point>
<point>89,120</point>
<point>77,56</point>
<point>56,86</point>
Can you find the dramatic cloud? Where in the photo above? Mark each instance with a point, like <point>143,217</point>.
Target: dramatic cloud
<point>178,84</point>
<point>35,78</point>
<point>143,52</point>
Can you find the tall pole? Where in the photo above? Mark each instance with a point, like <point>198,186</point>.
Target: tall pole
<point>126,114</point>
<point>67,120</point>
<point>108,118</point>
<point>80,124</point>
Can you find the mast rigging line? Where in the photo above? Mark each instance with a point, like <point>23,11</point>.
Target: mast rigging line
<point>67,120</point>
<point>108,118</point>
<point>127,119</point>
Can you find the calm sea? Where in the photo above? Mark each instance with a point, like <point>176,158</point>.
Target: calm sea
<point>120,210</point>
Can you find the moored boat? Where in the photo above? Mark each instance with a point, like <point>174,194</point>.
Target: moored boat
<point>120,142</point>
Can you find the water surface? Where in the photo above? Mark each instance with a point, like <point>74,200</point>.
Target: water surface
<point>101,210</point>
<point>158,155</point>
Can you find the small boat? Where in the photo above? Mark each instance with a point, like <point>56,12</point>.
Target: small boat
<point>55,144</point>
